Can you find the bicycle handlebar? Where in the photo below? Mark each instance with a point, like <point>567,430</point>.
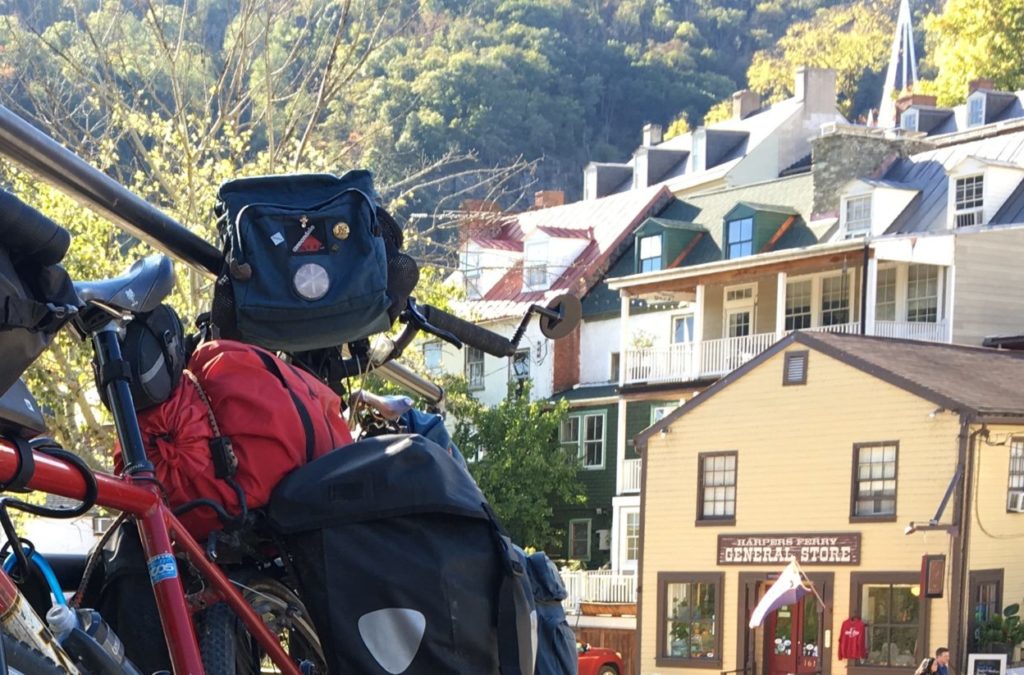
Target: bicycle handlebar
<point>29,234</point>
<point>475,336</point>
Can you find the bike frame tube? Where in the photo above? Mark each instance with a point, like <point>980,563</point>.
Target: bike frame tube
<point>157,525</point>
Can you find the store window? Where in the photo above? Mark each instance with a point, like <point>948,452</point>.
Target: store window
<point>874,481</point>
<point>717,487</point>
<point>986,597</point>
<point>891,606</point>
<point>689,620</point>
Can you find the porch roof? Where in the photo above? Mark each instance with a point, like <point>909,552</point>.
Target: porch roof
<point>675,278</point>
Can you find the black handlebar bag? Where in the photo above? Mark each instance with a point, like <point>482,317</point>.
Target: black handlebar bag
<point>402,564</point>
<point>305,261</point>
<point>36,295</point>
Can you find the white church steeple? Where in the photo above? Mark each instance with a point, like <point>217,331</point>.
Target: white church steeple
<point>902,71</point>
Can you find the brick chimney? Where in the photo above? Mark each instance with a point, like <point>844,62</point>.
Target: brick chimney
<point>744,104</point>
<point>566,362</point>
<point>816,87</point>
<point>652,134</point>
<point>544,199</point>
<point>480,218</point>
<point>909,100</point>
<point>981,83</point>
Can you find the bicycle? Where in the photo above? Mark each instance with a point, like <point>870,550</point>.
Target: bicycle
<point>171,553</point>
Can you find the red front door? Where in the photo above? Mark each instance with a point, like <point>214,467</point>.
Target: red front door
<point>792,638</point>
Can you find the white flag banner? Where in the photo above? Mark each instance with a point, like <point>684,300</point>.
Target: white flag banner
<point>787,590</point>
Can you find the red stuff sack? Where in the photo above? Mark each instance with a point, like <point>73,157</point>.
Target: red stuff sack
<point>240,417</point>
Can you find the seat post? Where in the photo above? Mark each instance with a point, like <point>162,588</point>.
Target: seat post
<point>114,375</point>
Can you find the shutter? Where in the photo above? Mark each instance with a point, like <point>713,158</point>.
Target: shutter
<point>795,369</point>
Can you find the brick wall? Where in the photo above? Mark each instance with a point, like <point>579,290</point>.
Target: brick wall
<point>567,361</point>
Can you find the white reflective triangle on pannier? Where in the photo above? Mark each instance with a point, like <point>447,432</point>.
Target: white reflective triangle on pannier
<point>393,636</point>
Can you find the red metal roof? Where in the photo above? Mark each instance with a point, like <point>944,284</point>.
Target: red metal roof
<point>607,222</point>
<point>565,232</point>
<point>498,244</point>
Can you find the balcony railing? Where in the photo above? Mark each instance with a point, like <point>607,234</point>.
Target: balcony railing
<point>688,361</point>
<point>631,475</point>
<point>599,587</point>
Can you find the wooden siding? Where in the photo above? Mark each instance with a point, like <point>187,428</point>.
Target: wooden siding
<point>987,286</point>
<point>795,448</point>
<point>996,535</point>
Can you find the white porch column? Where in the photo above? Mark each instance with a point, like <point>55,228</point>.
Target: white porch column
<point>948,287</point>
<point>780,306</point>
<point>871,296</point>
<point>623,335</point>
<point>698,330</point>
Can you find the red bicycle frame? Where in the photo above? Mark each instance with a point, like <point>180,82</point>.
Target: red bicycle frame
<point>161,535</point>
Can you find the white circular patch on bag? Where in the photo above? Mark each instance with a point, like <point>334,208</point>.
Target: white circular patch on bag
<point>311,281</point>
<point>393,636</point>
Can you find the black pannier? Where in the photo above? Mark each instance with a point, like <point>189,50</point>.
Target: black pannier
<point>402,564</point>
<point>36,295</point>
<point>306,261</point>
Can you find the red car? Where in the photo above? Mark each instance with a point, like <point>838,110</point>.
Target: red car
<point>599,661</point>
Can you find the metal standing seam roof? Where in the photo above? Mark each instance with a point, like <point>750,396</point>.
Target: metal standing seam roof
<point>975,381</point>
<point>926,172</point>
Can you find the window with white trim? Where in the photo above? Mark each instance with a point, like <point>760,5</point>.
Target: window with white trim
<point>535,267</point>
<point>632,535</point>
<point>474,368</point>
<point>908,120</point>
<point>976,111</point>
<point>968,200</point>
<point>835,300</point>
<point>858,215</point>
<point>659,411</point>
<point>717,486</point>
<point>739,238</point>
<point>579,539</point>
<point>1016,484</point>
<point>471,274</point>
<point>874,479</point>
<point>569,434</point>
<point>682,328</point>
<point>798,304</point>
<point>885,295</point>
<point>432,356</point>
<point>592,451</point>
<point>923,293</point>
<point>613,366</point>
<point>650,253</point>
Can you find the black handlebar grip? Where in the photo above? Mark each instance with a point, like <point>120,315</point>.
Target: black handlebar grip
<point>28,234</point>
<point>473,335</point>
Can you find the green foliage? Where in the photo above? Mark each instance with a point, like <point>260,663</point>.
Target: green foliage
<point>972,39</point>
<point>519,464</point>
<point>719,112</point>
<point>853,39</point>
<point>1005,628</point>
<point>677,127</point>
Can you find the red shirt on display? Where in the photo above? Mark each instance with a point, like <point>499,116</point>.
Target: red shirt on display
<point>852,642</point>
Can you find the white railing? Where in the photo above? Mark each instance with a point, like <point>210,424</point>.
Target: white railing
<point>913,330</point>
<point>631,475</point>
<point>598,586</point>
<point>686,361</point>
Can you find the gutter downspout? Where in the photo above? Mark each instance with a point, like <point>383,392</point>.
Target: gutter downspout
<point>961,518</point>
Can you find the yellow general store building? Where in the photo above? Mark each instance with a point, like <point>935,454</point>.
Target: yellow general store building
<point>867,460</point>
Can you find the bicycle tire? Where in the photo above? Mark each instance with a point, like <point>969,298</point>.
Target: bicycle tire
<point>225,644</point>
<point>22,659</point>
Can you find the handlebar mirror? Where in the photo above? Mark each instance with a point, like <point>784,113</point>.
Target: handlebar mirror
<point>570,312</point>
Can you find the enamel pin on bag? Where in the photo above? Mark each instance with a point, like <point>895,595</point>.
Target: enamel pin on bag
<point>306,265</point>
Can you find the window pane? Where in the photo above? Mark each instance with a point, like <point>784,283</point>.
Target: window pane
<point>923,293</point>
<point>739,324</point>
<point>798,304</point>
<point>968,196</point>
<point>976,111</point>
<point>683,329</point>
<point>835,300</point>
<point>571,430</point>
<point>885,295</point>
<point>718,486</point>
<point>875,488</point>
<point>632,535</point>
<point>650,247</point>
<point>740,235</point>
<point>475,368</point>
<point>858,215</point>
<point>579,539</point>
<point>1017,464</point>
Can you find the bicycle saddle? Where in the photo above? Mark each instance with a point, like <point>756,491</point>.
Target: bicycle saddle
<point>141,289</point>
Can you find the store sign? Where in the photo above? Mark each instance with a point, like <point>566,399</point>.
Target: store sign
<point>841,548</point>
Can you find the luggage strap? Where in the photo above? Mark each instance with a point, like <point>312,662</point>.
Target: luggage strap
<point>32,315</point>
<point>517,622</point>
<point>270,363</point>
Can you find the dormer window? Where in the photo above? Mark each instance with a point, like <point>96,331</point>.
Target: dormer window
<point>471,274</point>
<point>535,268</point>
<point>976,110</point>
<point>650,253</point>
<point>740,237</point>
<point>858,216</point>
<point>968,202</point>
<point>908,120</point>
